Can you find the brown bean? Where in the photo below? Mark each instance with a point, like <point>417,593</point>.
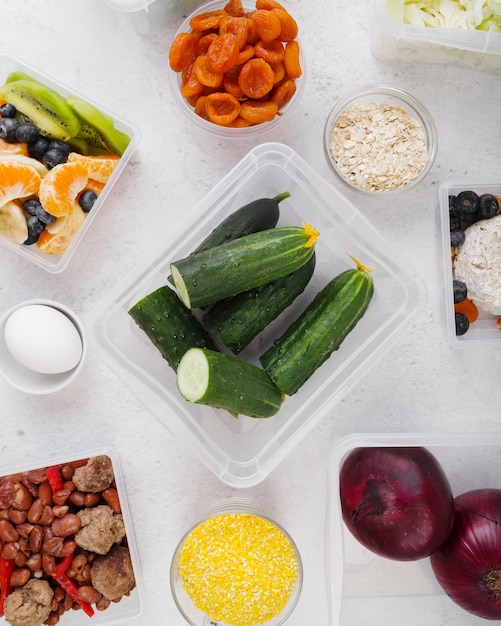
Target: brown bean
<point>92,499</point>
<point>36,539</point>
<point>84,576</point>
<point>7,531</point>
<point>77,564</point>
<point>37,477</point>
<point>78,463</point>
<point>48,563</point>
<point>32,489</point>
<point>35,511</point>
<point>35,562</point>
<point>69,547</point>
<point>67,525</point>
<point>110,496</point>
<point>59,593</point>
<point>45,493</point>
<point>53,546</point>
<point>103,604</point>
<point>47,516</point>
<point>20,560</point>
<point>24,529</point>
<point>87,593</point>
<point>16,516</point>
<point>68,602</point>
<point>4,514</point>
<point>67,471</point>
<point>20,576</point>
<point>53,619</point>
<point>10,550</point>
<point>61,496</point>
<point>77,498</point>
<point>60,510</point>
<point>22,498</point>
<point>69,485</point>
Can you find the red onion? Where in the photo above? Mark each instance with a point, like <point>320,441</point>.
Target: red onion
<point>396,501</point>
<point>468,565</point>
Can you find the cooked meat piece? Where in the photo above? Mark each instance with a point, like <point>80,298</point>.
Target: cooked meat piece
<point>101,528</point>
<point>112,575</point>
<point>29,605</point>
<point>95,476</point>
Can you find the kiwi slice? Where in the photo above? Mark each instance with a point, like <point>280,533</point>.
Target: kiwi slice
<point>97,128</point>
<point>43,106</point>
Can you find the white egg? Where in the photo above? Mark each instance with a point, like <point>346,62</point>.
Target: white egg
<point>43,339</point>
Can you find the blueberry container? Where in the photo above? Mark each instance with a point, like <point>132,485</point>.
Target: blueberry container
<point>243,451</point>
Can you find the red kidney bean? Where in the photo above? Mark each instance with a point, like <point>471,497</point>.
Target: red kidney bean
<point>69,547</point>
<point>35,511</point>
<point>92,499</point>
<point>67,471</point>
<point>22,498</point>
<point>37,476</point>
<point>24,529</point>
<point>77,498</point>
<point>60,510</point>
<point>10,550</point>
<point>20,560</point>
<point>67,525</point>
<point>53,619</point>
<point>48,563</point>
<point>7,531</point>
<point>61,496</point>
<point>35,562</point>
<point>45,493</point>
<point>16,516</point>
<point>110,496</point>
<point>87,593</point>
<point>53,546</point>
<point>20,576</point>
<point>36,539</point>
<point>47,516</point>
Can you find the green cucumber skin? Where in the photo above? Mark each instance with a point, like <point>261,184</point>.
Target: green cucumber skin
<point>319,330</point>
<point>237,386</point>
<point>169,325</point>
<point>238,320</point>
<point>241,264</point>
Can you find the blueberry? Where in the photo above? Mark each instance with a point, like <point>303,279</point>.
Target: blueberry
<point>488,206</point>
<point>453,204</point>
<point>462,323</point>
<point>87,199</point>
<point>457,238</point>
<point>33,207</point>
<point>8,126</point>
<point>460,291</point>
<point>467,203</point>
<point>454,222</point>
<point>53,157</point>
<point>38,148</point>
<point>35,226</point>
<point>8,110</point>
<point>26,133</point>
<point>62,146</point>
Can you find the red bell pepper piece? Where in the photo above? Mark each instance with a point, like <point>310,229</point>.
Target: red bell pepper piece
<point>69,585</point>
<point>6,569</point>
<point>54,477</point>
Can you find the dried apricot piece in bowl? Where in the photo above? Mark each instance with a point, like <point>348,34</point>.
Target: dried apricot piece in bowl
<point>256,78</point>
<point>222,108</point>
<point>183,51</point>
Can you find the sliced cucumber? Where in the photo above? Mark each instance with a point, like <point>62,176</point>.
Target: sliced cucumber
<point>238,320</point>
<point>320,330</point>
<point>169,324</point>
<point>235,266</point>
<point>227,382</point>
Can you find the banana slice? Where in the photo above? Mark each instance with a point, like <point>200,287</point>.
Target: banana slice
<point>26,160</point>
<point>13,222</point>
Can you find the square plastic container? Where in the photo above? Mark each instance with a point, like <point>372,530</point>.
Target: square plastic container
<point>58,263</point>
<point>129,607</point>
<point>392,41</point>
<point>485,328</point>
<point>243,451</point>
<point>151,16</point>
<point>363,588</point>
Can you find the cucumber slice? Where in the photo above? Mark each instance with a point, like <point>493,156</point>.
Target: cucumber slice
<point>227,382</point>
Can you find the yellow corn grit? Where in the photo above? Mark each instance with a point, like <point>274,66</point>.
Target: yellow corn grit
<point>238,568</point>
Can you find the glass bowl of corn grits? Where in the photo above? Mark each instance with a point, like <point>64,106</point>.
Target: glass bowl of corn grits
<point>236,567</point>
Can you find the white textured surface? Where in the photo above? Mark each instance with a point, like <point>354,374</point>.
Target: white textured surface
<point>421,384</point>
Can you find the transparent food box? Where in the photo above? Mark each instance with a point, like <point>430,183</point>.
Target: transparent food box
<point>364,588</point>
<point>485,328</point>
<point>393,41</point>
<point>129,606</point>
<point>243,451</point>
<point>55,263</point>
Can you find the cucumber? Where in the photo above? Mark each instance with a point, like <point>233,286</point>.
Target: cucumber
<point>235,266</point>
<point>253,217</point>
<point>237,320</point>
<point>319,330</point>
<point>169,324</point>
<point>226,382</point>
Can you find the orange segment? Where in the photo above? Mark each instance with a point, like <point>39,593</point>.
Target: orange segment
<point>61,186</point>
<point>98,168</point>
<point>57,243</point>
<point>17,180</point>
<point>13,148</point>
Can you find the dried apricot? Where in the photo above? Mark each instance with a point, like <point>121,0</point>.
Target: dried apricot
<point>283,93</point>
<point>204,42</point>
<point>200,109</point>
<point>245,54</point>
<point>190,85</point>
<point>183,51</point>
<point>467,308</point>
<point>268,5</point>
<point>223,52</point>
<point>235,8</point>
<point>270,51</point>
<point>268,25</point>
<point>258,112</point>
<point>208,20</point>
<point>291,60</point>
<point>238,26</point>
<point>289,30</point>
<point>222,108</point>
<point>278,72</point>
<point>252,34</point>
<point>230,83</point>
<point>256,78</point>
<point>205,72</point>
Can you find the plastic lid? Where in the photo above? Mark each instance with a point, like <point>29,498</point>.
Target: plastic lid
<point>128,6</point>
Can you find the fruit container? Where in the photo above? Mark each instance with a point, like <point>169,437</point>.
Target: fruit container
<point>232,520</point>
<point>127,607</point>
<point>485,328</point>
<point>361,584</point>
<point>57,260</point>
<point>151,16</point>
<point>229,132</point>
<point>394,42</point>
<point>359,109</point>
<point>243,451</point>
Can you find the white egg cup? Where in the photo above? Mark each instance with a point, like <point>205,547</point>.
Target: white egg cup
<point>27,380</point>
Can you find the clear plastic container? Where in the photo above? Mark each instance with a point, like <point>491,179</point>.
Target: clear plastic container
<point>224,131</point>
<point>129,607</point>
<point>243,451</point>
<point>54,263</point>
<point>364,588</point>
<point>392,41</point>
<point>485,328</point>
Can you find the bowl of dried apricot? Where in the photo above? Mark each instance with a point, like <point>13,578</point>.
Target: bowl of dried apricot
<point>380,139</point>
<point>235,69</point>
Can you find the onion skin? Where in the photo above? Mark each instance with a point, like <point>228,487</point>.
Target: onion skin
<point>397,502</point>
<point>468,565</point>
